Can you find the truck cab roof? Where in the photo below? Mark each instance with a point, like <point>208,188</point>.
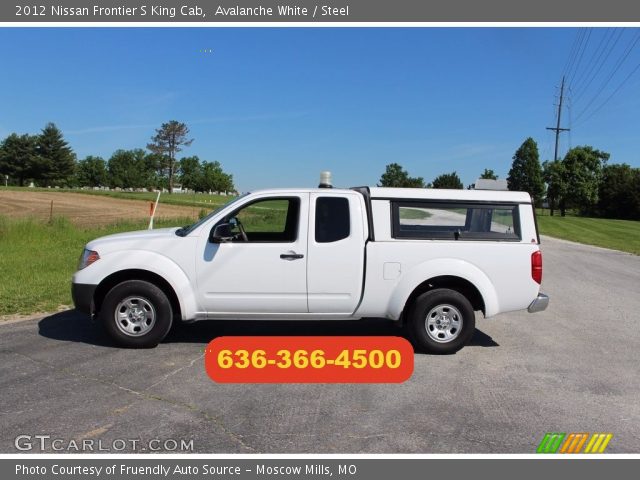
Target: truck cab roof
<point>449,194</point>
<point>384,193</point>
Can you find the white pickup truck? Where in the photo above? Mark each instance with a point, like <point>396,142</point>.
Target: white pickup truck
<point>428,258</point>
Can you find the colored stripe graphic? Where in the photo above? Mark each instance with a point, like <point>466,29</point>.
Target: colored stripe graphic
<point>598,442</point>
<point>550,443</point>
<point>574,442</point>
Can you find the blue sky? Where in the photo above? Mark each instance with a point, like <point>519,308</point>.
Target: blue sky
<point>277,105</point>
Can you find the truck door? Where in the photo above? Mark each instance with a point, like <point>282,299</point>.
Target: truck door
<point>264,272</point>
<point>336,246</point>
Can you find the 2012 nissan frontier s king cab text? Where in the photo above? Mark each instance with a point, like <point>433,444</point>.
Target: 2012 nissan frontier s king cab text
<point>426,257</point>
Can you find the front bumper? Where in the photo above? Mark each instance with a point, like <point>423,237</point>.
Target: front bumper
<point>82,295</point>
<point>539,304</point>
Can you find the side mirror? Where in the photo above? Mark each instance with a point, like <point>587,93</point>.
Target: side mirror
<point>221,233</point>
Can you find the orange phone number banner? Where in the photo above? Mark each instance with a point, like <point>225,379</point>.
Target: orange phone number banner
<point>301,359</point>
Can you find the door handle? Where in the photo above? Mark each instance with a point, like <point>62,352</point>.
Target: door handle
<point>291,256</point>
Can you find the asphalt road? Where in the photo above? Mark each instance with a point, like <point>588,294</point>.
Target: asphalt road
<point>573,368</point>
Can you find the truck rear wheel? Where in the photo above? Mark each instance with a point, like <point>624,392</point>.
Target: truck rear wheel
<point>442,321</point>
<point>136,314</point>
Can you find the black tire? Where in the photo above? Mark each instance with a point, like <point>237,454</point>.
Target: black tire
<point>136,314</point>
<point>450,326</point>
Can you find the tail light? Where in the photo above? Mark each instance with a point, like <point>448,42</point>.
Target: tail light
<point>536,266</point>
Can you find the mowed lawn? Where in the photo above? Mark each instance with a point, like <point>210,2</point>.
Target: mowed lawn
<point>37,260</point>
<point>617,234</point>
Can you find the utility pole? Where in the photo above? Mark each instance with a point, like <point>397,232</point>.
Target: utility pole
<point>557,128</point>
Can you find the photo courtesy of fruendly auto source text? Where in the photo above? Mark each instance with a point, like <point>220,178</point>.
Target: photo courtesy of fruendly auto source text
<point>346,239</point>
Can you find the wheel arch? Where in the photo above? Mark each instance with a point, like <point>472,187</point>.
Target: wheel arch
<point>452,273</point>
<point>451,282</point>
<point>137,274</point>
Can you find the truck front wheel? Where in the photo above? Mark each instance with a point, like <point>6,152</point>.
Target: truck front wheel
<point>442,321</point>
<point>136,314</point>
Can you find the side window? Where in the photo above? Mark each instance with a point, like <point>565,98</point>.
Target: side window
<point>268,220</point>
<point>460,221</point>
<point>333,221</point>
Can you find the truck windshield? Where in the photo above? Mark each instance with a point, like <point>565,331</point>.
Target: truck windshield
<point>187,229</point>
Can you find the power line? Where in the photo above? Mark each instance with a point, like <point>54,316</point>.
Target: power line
<point>621,61</point>
<point>572,54</point>
<point>612,94</point>
<point>595,58</point>
<point>597,54</point>
<point>581,54</point>
<point>579,94</point>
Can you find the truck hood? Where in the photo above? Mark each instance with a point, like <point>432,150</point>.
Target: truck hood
<point>141,238</point>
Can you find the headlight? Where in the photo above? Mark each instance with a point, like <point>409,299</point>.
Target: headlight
<point>87,258</point>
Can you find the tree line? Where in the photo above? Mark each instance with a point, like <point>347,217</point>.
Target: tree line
<point>396,176</point>
<point>47,160</point>
<point>583,182</point>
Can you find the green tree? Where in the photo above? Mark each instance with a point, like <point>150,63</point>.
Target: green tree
<point>130,169</point>
<point>91,172</point>
<point>155,171</point>
<point>190,173</point>
<point>553,175</point>
<point>56,160</point>
<point>157,165</point>
<point>526,173</point>
<point>167,142</point>
<point>581,174</point>
<point>488,174</point>
<point>448,180</point>
<point>619,192</point>
<point>396,176</point>
<point>18,157</point>
<point>215,179</point>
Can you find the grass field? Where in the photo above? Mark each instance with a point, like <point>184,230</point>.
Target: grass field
<point>87,210</point>
<point>37,260</point>
<point>617,234</point>
<point>182,199</point>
